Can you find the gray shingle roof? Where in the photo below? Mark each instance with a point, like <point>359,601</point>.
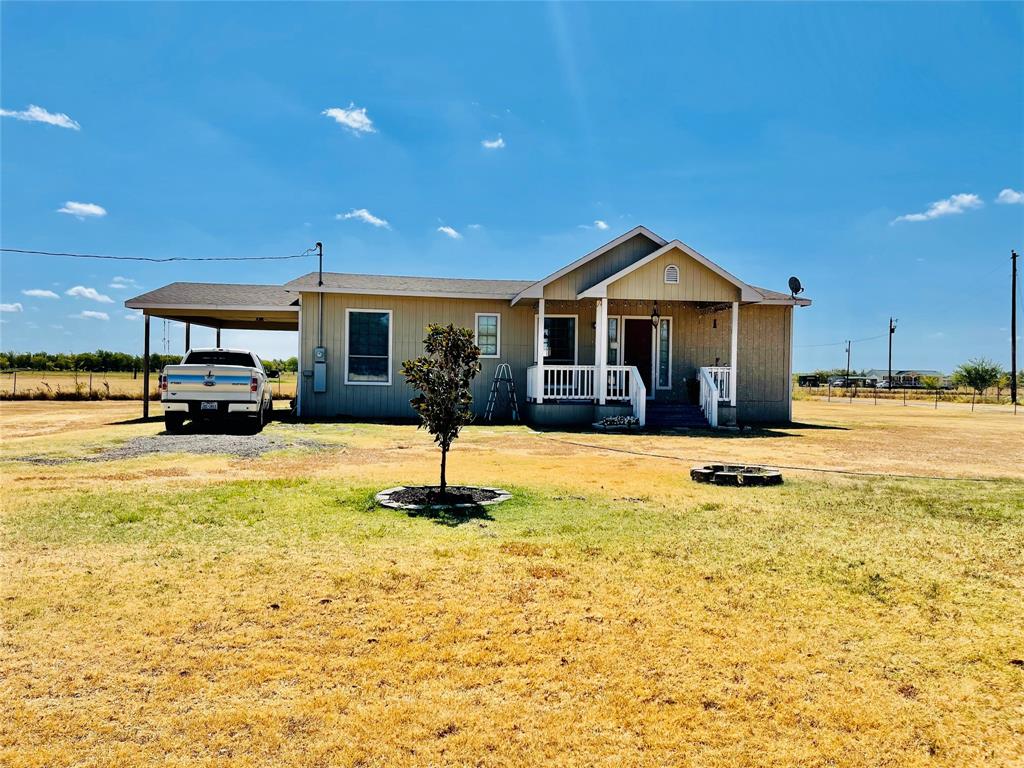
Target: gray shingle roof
<point>220,295</point>
<point>338,282</point>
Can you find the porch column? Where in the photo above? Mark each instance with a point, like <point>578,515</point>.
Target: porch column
<point>733,356</point>
<point>188,336</point>
<point>218,338</point>
<point>539,385</point>
<point>145,369</point>
<point>601,351</point>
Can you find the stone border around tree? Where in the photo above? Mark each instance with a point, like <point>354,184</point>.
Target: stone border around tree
<point>384,499</point>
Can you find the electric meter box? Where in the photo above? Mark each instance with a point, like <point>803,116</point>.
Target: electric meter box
<point>319,369</point>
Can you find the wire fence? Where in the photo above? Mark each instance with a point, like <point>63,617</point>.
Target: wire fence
<point>24,384</point>
<point>906,395</point>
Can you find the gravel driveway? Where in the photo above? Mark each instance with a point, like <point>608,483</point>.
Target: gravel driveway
<point>244,446</point>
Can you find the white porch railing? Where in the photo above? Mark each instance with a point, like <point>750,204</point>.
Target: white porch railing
<point>722,376</point>
<point>580,382</point>
<point>710,394</point>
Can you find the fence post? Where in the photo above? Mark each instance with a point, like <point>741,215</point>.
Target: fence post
<point>904,395</point>
<point>830,392</point>
<point>15,389</point>
<point>90,384</point>
<point>936,399</point>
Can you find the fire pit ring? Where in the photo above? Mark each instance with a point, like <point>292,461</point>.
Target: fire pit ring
<point>736,474</point>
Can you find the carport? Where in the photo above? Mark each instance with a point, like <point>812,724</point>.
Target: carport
<point>217,306</point>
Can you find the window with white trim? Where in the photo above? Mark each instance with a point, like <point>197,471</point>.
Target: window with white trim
<point>613,341</point>
<point>369,347</point>
<point>672,274</point>
<point>560,340</point>
<point>488,334</point>
<point>665,354</point>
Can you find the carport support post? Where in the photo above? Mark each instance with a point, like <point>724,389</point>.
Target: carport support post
<point>539,387</point>
<point>601,351</point>
<point>218,338</point>
<point>145,371</point>
<point>733,352</point>
<point>188,336</point>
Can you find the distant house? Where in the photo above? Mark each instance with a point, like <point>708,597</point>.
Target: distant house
<point>910,377</point>
<point>642,325</point>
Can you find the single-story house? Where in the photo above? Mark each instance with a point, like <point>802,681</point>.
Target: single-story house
<point>909,377</point>
<point>640,326</point>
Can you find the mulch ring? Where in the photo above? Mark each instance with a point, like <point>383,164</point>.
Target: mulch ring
<point>429,497</point>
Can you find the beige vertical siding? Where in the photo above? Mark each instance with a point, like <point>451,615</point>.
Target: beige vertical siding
<point>696,282</point>
<point>764,363</point>
<point>697,340</point>
<point>410,317</point>
<point>607,264</point>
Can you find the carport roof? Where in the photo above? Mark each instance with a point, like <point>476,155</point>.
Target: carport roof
<point>222,305</point>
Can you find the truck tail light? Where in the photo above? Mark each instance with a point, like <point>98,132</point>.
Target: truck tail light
<point>163,383</point>
<point>254,384</point>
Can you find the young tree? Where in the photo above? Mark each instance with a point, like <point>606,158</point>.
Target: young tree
<point>443,376</point>
<point>979,374</point>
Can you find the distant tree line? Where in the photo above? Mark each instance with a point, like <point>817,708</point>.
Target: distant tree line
<point>103,360</point>
<point>100,360</point>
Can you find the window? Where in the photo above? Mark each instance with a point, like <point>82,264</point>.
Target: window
<point>220,357</point>
<point>665,354</point>
<point>613,341</point>
<point>672,274</point>
<point>560,340</point>
<point>488,335</point>
<point>369,347</point>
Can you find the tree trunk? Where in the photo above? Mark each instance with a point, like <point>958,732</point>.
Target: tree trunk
<point>444,462</point>
<point>973,396</point>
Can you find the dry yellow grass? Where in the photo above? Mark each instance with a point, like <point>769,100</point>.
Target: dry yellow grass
<point>213,611</point>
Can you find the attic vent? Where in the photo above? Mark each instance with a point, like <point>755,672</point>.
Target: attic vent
<point>671,274</point>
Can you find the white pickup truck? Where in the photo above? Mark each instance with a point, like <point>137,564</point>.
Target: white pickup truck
<point>216,384</point>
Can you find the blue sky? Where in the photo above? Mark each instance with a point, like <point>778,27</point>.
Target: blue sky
<point>776,139</point>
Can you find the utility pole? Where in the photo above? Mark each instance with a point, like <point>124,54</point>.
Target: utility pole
<point>1013,327</point>
<point>892,330</point>
<point>320,250</point>
<point>848,343</point>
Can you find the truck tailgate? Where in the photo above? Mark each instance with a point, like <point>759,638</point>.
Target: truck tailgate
<point>209,382</point>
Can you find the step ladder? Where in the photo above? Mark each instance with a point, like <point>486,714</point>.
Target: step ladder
<point>502,375</point>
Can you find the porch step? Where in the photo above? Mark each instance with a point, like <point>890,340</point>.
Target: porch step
<point>675,416</point>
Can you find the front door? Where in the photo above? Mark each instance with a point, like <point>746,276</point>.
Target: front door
<point>637,349</point>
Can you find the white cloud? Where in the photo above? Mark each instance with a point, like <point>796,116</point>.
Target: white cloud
<point>123,283</point>
<point>955,204</point>
<point>135,315</point>
<point>498,143</point>
<point>354,118</point>
<point>1010,197</point>
<point>89,314</point>
<point>600,224</point>
<point>474,226</point>
<point>364,215</point>
<point>40,293</point>
<point>15,307</point>
<point>450,231</point>
<point>82,210</point>
<point>36,114</point>
<point>80,291</point>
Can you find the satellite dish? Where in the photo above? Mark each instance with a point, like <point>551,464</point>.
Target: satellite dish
<point>794,286</point>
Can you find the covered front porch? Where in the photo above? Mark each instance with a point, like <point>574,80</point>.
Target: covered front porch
<point>624,356</point>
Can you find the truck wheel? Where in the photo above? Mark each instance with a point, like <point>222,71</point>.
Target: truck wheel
<point>173,422</point>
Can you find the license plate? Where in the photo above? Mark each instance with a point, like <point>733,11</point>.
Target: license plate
<point>206,405</point>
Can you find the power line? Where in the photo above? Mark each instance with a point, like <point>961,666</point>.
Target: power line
<point>838,343</point>
<point>304,254</point>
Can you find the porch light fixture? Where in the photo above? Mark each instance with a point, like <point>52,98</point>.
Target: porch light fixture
<point>655,315</point>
